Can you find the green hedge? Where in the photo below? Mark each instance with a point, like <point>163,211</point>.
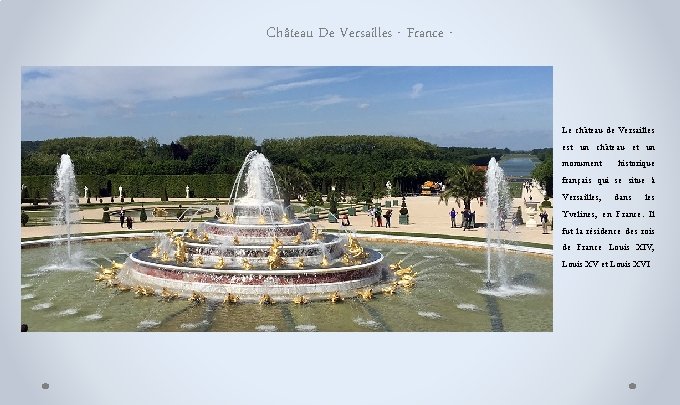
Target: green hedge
<point>137,186</point>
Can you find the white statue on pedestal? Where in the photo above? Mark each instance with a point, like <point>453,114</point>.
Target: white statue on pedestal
<point>388,185</point>
<point>86,189</point>
<point>187,189</point>
<point>120,191</point>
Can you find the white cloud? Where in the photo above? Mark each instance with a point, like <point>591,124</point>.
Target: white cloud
<point>325,101</point>
<point>127,85</point>
<point>363,106</point>
<point>416,90</point>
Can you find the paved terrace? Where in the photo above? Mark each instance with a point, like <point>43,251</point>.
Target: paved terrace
<point>426,214</point>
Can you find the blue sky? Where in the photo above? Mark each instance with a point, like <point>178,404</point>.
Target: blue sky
<point>448,106</point>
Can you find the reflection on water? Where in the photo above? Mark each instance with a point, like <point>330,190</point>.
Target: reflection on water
<point>449,296</point>
<point>518,167</point>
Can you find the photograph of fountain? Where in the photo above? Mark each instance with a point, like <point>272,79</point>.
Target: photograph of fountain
<point>257,254</point>
<point>292,235</point>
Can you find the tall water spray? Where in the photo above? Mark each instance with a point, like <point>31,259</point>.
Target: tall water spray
<point>66,196</point>
<point>498,212</point>
<point>255,191</point>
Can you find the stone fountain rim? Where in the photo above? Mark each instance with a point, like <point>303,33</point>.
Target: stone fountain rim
<point>275,272</point>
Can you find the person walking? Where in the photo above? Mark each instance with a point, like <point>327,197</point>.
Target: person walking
<point>122,217</point>
<point>544,221</point>
<point>378,217</point>
<point>371,213</point>
<point>453,217</point>
<point>129,222</point>
<point>388,219</point>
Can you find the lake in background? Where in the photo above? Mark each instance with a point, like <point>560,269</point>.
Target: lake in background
<point>518,167</point>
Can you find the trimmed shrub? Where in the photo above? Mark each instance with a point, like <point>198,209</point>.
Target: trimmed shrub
<point>403,210</point>
<point>24,218</point>
<point>333,203</point>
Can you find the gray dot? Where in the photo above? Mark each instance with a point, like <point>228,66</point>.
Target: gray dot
<point>45,386</point>
<point>632,386</point>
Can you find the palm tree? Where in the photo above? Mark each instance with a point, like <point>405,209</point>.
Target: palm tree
<point>292,182</point>
<point>465,183</point>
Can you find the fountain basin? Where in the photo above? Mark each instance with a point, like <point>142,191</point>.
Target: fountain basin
<point>281,284</point>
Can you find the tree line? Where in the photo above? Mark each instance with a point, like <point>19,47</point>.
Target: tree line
<point>353,163</point>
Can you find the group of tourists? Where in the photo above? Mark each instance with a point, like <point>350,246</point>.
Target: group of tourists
<point>125,220</point>
<point>468,218</point>
<point>377,216</point>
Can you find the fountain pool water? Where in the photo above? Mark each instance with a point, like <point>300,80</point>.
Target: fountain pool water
<point>445,298</point>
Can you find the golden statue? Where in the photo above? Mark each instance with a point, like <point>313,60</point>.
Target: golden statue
<point>354,249</point>
<point>266,299</point>
<point>205,237</point>
<point>365,294</point>
<point>396,266</point>
<point>220,263</point>
<point>406,283</point>
<point>231,299</point>
<point>155,252</point>
<point>298,238</point>
<point>144,291</point>
<point>191,234</point>
<point>390,290</point>
<point>247,265</point>
<point>405,270</point>
<point>236,241</point>
<point>335,297</point>
<point>228,218</point>
<point>285,219</point>
<point>108,274</point>
<point>181,252</point>
<point>261,220</point>
<point>197,297</point>
<point>198,261</point>
<point>171,233</point>
<point>168,295</point>
<point>299,299</point>
<point>300,263</point>
<point>346,259</point>
<point>165,257</point>
<point>274,259</point>
<point>324,261</point>
<point>115,265</point>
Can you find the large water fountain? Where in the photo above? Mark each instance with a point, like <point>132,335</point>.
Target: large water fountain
<point>66,196</point>
<point>503,271</point>
<point>255,251</point>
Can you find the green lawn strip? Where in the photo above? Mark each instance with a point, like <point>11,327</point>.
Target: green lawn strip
<point>467,238</point>
<point>95,234</point>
